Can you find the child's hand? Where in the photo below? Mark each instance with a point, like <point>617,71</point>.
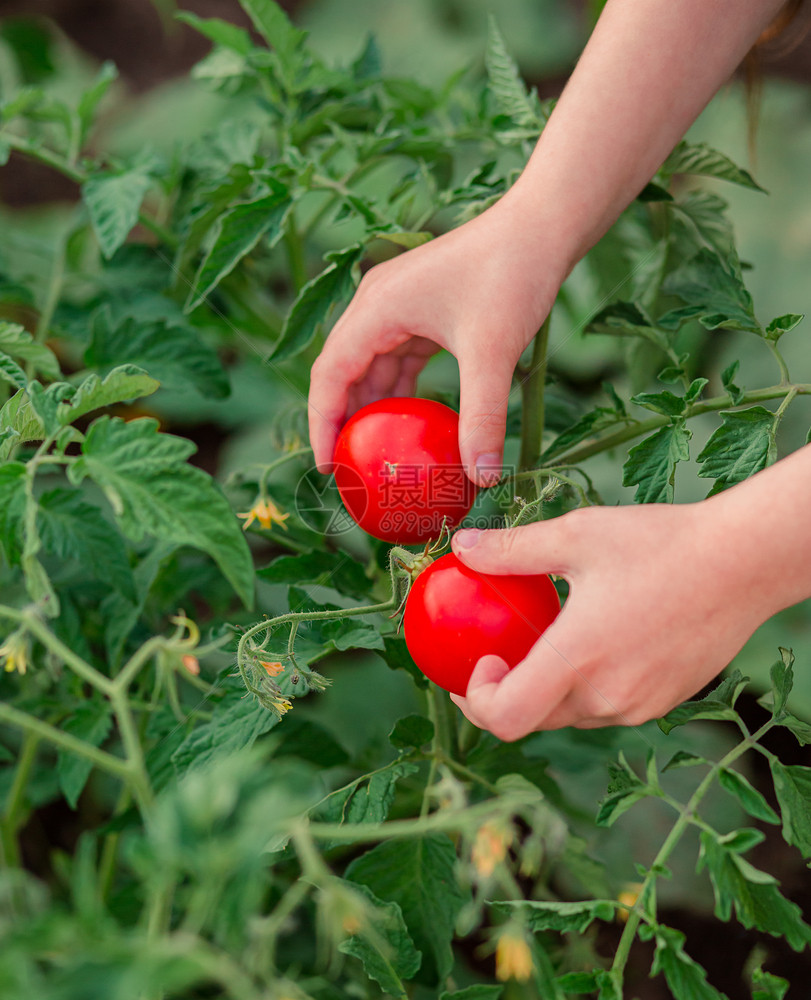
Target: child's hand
<point>480,291</point>
<point>662,597</point>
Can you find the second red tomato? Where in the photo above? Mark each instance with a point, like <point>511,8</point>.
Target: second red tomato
<point>454,616</point>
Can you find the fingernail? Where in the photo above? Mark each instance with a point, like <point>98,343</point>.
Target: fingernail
<point>488,468</point>
<point>467,538</point>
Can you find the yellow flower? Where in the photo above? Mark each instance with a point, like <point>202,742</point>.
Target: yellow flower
<point>273,669</point>
<point>266,513</point>
<point>14,652</point>
<point>513,957</point>
<point>281,705</point>
<point>490,848</point>
<point>627,900</point>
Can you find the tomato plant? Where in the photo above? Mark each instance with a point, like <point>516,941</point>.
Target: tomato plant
<point>454,616</point>
<point>399,472</point>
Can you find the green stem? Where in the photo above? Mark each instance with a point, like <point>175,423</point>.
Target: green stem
<point>295,253</point>
<point>686,818</point>
<point>638,428</point>
<point>532,399</point>
<point>65,741</point>
<point>10,822</point>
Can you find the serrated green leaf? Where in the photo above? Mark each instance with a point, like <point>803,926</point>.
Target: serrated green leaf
<point>120,385</point>
<point>782,324</point>
<point>664,402</point>
<point>94,95</point>
<point>748,796</point>
<point>699,158</point>
<point>367,799</point>
<point>18,423</point>
<point>327,569</point>
<point>706,708</point>
<point>683,758</point>
<point>235,234</point>
<point>768,987</point>
<point>781,674</point>
<point>175,356</point>
<point>237,721</point>
<point>274,26</point>
<point>589,424</point>
<point>385,947</point>
<point>505,81</point>
<point>315,302</point>
<point>736,394</point>
<point>651,464</point>
<point>564,917</point>
<point>16,341</point>
<point>753,894</point>
<point>153,490</point>
<point>91,721</point>
<point>11,372</point>
<point>743,445</point>
<point>703,217</point>
<point>114,201</point>
<point>714,284</point>
<point>413,731</point>
<point>72,529</point>
<point>792,785</point>
<point>685,978</point>
<point>625,788</point>
<point>419,874</point>
<point>218,31</point>
<point>628,319</point>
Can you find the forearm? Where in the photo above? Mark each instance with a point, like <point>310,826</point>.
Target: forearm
<point>649,69</point>
<point>762,533</point>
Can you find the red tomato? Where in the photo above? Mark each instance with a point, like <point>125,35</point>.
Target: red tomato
<point>398,469</point>
<point>454,616</point>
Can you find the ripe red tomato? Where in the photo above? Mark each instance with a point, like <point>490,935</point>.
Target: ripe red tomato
<point>399,472</point>
<point>454,616</point>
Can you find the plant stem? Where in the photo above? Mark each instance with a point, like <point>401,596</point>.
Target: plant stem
<point>14,801</point>
<point>532,399</point>
<point>638,428</point>
<point>685,819</point>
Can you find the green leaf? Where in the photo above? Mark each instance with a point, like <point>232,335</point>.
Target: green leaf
<point>121,384</point>
<point>505,81</point>
<point>275,27</point>
<point>309,741</point>
<point>406,240</point>
<point>718,704</point>
<point>685,978</point>
<point>315,302</point>
<point>624,789</point>
<point>727,375</point>
<point>768,987</point>
<point>72,529</point>
<point>587,426</point>
<point>683,758</point>
<point>18,342</point>
<point>173,355</point>
<point>664,402</point>
<point>411,732</point>
<point>651,464</point>
<point>218,31</point>
<point>748,796</point>
<point>12,509</point>
<point>743,445</point>
<point>385,947</point>
<point>350,633</point>
<point>781,325</point>
<point>154,491</point>
<point>368,799</point>
<point>752,893</point>
<point>94,95</point>
<point>114,202</point>
<point>578,982</point>
<point>234,236</point>
<point>714,284</point>
<point>781,673</point>
<point>11,372</point>
<point>397,657</point>
<point>91,721</point>
<point>628,319</point>
<point>235,724</point>
<point>792,785</point>
<point>481,991</point>
<point>420,875</point>
<point>699,158</point>
<point>327,569</point>
<point>559,916</point>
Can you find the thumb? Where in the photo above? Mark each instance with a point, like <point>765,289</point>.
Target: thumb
<point>526,550</point>
<point>485,392</point>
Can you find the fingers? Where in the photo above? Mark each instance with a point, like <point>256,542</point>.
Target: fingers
<point>543,547</point>
<point>485,392</point>
<point>332,375</point>
<point>512,703</point>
